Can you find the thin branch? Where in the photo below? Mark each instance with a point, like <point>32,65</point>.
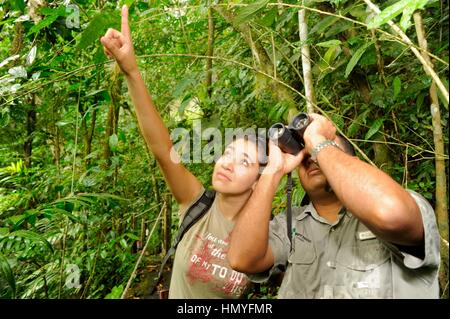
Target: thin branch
<point>306,62</point>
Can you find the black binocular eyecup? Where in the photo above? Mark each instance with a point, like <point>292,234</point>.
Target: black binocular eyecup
<point>290,138</point>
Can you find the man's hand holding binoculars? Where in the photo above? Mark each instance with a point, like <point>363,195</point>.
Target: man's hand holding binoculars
<point>286,153</point>
<point>320,129</point>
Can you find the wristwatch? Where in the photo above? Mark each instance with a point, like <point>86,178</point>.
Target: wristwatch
<point>320,147</point>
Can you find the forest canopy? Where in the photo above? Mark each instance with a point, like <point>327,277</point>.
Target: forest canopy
<point>81,195</point>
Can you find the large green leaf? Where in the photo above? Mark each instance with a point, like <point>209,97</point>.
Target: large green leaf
<point>50,16</point>
<point>355,58</point>
<point>32,236</point>
<point>407,7</point>
<point>97,27</point>
<point>409,10</point>
<point>374,128</point>
<point>18,5</point>
<point>7,274</point>
<point>249,11</point>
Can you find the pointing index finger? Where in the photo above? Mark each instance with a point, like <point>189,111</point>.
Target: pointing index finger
<point>125,28</point>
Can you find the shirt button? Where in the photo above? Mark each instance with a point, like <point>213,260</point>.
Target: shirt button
<point>331,264</point>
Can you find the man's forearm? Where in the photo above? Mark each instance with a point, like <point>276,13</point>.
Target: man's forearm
<point>372,196</point>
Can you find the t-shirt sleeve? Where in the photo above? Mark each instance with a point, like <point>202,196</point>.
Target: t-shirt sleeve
<point>279,243</point>
<point>431,257</point>
<point>184,209</point>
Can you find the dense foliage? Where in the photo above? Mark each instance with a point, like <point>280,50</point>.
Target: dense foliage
<point>79,191</point>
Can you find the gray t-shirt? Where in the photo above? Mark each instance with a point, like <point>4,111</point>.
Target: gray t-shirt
<point>346,260</point>
<point>200,267</point>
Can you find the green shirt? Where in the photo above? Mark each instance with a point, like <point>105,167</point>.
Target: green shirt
<point>346,260</point>
<point>200,267</point>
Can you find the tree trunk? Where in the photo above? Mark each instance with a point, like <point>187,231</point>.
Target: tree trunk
<point>56,135</point>
<point>31,127</point>
<point>167,224</point>
<point>89,131</point>
<point>306,61</point>
<point>113,113</point>
<point>441,191</point>
<point>210,51</point>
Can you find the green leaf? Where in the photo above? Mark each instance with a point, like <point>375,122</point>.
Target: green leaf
<point>246,13</point>
<point>113,141</point>
<point>270,17</point>
<point>355,58</point>
<point>405,21</point>
<point>329,44</point>
<point>97,27</point>
<point>115,293</point>
<point>187,98</point>
<point>129,3</point>
<point>6,272</point>
<point>51,16</point>
<point>34,237</point>
<point>397,86</point>
<point>331,54</point>
<point>407,7</point>
<point>123,243</point>
<point>374,128</point>
<point>388,14</point>
<point>323,24</point>
<point>183,84</point>
<point>132,236</point>
<point>353,129</point>
<point>18,5</point>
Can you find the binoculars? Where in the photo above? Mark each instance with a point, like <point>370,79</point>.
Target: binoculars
<point>290,138</point>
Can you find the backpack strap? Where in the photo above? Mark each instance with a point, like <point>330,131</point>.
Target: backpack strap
<point>289,209</point>
<point>192,215</point>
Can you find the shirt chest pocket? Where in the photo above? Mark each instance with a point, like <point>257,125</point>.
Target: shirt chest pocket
<point>303,253</point>
<point>363,255</point>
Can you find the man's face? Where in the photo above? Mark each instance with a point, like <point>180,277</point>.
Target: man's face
<point>310,175</point>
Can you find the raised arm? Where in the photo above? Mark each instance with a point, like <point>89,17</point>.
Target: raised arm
<point>255,255</point>
<point>372,196</point>
<point>118,45</point>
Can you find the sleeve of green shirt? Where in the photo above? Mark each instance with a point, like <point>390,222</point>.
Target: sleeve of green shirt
<point>431,235</point>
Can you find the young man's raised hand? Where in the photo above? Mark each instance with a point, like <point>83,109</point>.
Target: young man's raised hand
<point>119,46</point>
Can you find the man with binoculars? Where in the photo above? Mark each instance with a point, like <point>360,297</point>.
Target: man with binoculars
<point>360,236</point>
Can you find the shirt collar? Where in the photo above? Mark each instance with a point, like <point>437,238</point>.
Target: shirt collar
<point>310,210</point>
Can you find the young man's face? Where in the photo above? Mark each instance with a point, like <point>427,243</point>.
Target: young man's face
<point>237,170</point>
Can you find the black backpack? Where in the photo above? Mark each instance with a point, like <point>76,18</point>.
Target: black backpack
<point>193,214</point>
